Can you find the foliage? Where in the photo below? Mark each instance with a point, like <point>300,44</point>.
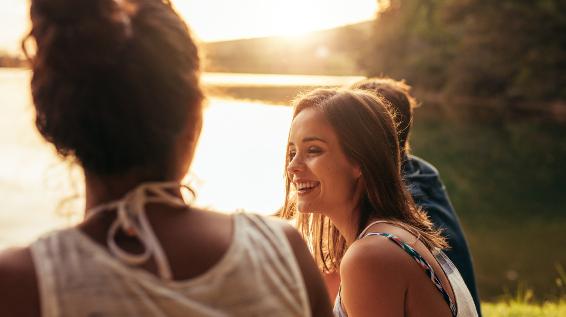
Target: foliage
<point>330,52</point>
<point>514,51</point>
<point>506,180</point>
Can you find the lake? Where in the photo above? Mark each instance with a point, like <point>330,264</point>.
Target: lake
<point>506,177</point>
<point>238,164</point>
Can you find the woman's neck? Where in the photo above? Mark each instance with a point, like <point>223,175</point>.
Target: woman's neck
<point>349,227</point>
<point>347,224</point>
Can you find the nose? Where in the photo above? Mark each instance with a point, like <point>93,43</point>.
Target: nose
<point>295,165</point>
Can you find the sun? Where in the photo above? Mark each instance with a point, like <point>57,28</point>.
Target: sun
<point>215,20</point>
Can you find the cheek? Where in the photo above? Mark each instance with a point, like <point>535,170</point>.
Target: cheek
<point>340,183</point>
<point>337,185</point>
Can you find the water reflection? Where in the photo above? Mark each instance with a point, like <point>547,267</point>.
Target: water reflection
<point>240,157</point>
<point>238,164</point>
<point>257,80</point>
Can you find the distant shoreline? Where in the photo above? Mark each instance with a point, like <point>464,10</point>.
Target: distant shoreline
<point>282,88</point>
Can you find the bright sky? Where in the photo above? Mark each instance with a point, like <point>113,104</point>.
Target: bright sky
<point>213,20</point>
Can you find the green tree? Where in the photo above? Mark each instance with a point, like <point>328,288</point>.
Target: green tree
<point>512,51</point>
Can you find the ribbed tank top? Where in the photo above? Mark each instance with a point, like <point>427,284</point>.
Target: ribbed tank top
<point>257,276</point>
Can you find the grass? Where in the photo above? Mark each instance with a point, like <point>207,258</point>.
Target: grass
<point>523,309</point>
<point>522,303</point>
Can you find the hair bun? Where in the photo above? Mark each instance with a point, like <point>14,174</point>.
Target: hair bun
<point>83,34</point>
<point>69,11</point>
<point>114,83</point>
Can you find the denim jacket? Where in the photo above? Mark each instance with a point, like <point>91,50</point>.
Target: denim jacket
<point>429,193</point>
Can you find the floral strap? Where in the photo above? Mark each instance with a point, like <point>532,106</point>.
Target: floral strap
<point>423,264</point>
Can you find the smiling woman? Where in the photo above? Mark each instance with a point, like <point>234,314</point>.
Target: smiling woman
<point>345,191</point>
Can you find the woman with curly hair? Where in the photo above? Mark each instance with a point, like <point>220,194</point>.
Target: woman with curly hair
<point>116,87</point>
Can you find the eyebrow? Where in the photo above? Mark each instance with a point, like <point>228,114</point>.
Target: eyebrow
<point>310,139</point>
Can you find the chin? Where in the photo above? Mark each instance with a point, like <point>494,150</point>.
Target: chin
<point>307,209</point>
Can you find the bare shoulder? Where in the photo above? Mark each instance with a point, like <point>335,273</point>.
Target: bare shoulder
<point>377,254</point>
<point>18,293</point>
<point>16,267</point>
<point>296,241</point>
<point>375,277</point>
<point>292,234</point>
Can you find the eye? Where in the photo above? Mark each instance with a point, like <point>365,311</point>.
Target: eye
<point>314,150</point>
<point>291,154</point>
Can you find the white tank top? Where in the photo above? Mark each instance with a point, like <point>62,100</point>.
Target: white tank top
<point>257,276</point>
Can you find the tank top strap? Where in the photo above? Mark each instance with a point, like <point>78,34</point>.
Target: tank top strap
<point>427,268</point>
<point>361,235</point>
<point>131,218</point>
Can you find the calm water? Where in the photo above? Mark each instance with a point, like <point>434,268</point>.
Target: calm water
<point>510,197</point>
<point>238,165</point>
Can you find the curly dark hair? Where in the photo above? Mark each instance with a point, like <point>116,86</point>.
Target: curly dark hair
<point>114,81</point>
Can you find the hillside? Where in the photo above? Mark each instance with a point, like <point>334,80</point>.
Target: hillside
<point>328,52</point>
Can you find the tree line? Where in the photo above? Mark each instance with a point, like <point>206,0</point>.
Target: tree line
<point>505,50</point>
<point>9,60</point>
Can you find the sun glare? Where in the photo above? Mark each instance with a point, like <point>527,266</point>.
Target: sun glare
<point>256,18</point>
<point>13,24</point>
<point>215,20</point>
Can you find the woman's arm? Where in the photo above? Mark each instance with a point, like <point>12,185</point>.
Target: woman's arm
<point>332,281</point>
<point>18,284</point>
<point>318,296</point>
<point>374,279</point>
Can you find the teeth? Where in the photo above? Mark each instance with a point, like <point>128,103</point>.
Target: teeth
<point>305,185</point>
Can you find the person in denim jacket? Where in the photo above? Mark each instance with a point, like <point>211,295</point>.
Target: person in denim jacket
<point>423,179</point>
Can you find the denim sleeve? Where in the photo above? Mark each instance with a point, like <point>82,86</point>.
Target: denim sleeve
<point>430,194</point>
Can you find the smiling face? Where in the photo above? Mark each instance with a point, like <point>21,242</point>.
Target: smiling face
<point>323,177</point>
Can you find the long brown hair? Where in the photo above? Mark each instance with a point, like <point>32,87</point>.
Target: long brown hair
<point>366,130</point>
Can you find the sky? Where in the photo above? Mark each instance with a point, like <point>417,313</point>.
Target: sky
<point>215,20</point>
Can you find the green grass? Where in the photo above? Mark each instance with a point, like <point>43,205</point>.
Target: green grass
<point>523,304</point>
<point>522,309</point>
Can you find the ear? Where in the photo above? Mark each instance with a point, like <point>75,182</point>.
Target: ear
<point>357,171</point>
<point>360,185</point>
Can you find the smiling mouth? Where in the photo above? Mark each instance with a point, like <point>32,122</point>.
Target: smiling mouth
<point>304,188</point>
